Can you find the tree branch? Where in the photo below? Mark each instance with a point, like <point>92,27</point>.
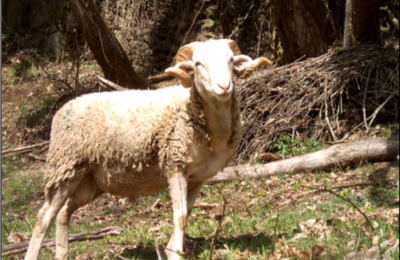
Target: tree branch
<point>392,18</point>
<point>18,248</point>
<point>25,148</point>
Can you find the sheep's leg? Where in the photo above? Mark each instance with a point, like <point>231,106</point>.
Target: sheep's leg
<point>85,193</point>
<point>178,189</point>
<point>62,228</point>
<point>44,219</point>
<point>193,191</point>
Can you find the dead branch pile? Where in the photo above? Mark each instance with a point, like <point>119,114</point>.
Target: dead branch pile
<point>324,98</point>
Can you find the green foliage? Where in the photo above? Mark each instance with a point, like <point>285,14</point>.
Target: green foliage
<point>287,146</point>
<point>385,131</point>
<point>345,193</point>
<point>21,65</point>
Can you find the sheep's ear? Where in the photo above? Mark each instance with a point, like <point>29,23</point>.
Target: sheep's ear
<point>244,66</point>
<point>240,63</point>
<point>184,71</point>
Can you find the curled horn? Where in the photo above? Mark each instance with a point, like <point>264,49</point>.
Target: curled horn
<point>184,53</point>
<point>256,63</point>
<point>184,78</point>
<point>234,47</point>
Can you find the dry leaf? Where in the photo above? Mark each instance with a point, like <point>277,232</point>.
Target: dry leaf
<point>313,207</point>
<point>299,236</point>
<point>269,157</point>
<point>317,250</point>
<point>303,255</point>
<point>227,220</point>
<point>16,237</point>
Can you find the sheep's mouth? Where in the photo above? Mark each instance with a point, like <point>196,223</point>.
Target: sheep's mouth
<point>224,96</point>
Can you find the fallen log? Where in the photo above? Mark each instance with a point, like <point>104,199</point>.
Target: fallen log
<point>18,248</point>
<point>25,148</point>
<point>340,155</point>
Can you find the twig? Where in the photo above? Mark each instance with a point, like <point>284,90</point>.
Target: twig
<point>358,239</point>
<point>379,108</point>
<point>157,250</point>
<point>242,21</point>
<point>275,235</point>
<point>18,248</point>
<point>392,18</point>
<point>206,205</point>
<point>78,63</point>
<point>326,114</point>
<point>155,204</point>
<point>27,220</point>
<point>300,97</point>
<point>259,35</point>
<point>337,195</point>
<point>351,185</point>
<point>107,83</point>
<point>364,99</point>
<point>215,236</point>
<point>194,20</point>
<point>117,255</point>
<point>37,157</point>
<point>59,80</point>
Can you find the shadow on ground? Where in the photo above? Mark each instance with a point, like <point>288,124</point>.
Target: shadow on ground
<point>196,246</point>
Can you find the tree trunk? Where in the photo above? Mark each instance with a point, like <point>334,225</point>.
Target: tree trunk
<point>105,47</point>
<point>304,28</point>
<point>340,155</point>
<point>347,24</point>
<point>365,21</point>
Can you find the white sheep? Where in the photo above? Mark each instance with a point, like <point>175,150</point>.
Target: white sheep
<point>135,143</point>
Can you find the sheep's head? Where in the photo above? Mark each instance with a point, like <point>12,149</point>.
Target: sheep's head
<point>210,65</point>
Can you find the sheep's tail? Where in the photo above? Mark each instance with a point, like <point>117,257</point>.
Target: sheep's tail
<point>62,177</point>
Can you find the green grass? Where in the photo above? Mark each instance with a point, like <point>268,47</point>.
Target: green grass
<point>18,191</point>
<point>254,211</point>
<point>287,146</point>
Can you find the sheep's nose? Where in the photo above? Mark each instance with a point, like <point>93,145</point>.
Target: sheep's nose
<point>224,86</point>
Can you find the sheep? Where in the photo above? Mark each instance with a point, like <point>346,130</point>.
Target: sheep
<point>138,142</point>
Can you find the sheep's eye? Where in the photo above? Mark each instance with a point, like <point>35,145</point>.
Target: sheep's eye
<point>231,59</point>
<point>198,63</point>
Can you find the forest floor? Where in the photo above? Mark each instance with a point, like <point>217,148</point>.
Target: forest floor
<point>284,216</point>
<point>268,218</point>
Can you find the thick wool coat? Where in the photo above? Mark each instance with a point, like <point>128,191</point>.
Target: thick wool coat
<point>133,139</point>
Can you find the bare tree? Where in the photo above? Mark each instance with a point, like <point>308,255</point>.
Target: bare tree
<point>309,28</point>
<point>106,49</point>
